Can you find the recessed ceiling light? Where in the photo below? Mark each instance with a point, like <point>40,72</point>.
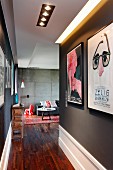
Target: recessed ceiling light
<point>45,14</point>
<point>43,19</point>
<point>90,5</point>
<point>41,24</point>
<point>48,8</point>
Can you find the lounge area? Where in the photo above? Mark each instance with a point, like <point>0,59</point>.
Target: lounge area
<point>54,104</point>
<point>44,108</point>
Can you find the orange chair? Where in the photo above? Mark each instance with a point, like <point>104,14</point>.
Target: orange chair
<point>30,110</point>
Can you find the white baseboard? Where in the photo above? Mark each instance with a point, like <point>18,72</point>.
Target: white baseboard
<point>80,158</point>
<point>6,151</point>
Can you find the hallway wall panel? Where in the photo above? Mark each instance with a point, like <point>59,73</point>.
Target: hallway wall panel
<point>5,109</point>
<point>92,129</point>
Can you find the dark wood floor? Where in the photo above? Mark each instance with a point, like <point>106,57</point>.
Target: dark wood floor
<point>39,150</point>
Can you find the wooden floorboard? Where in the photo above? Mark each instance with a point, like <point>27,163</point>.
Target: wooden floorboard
<point>39,150</point>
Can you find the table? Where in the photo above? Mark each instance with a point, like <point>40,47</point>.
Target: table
<point>46,111</point>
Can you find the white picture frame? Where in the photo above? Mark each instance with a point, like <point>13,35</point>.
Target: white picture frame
<point>100,70</point>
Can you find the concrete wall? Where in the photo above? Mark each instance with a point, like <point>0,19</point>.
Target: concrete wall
<point>40,85</point>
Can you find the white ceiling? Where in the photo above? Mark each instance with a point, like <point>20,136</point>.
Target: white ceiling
<point>36,45</point>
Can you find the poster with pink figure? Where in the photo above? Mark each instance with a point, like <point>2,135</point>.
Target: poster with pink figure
<point>100,70</point>
<point>1,76</point>
<point>74,75</point>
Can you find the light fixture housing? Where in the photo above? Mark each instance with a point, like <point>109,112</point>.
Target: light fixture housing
<point>90,5</point>
<point>45,14</point>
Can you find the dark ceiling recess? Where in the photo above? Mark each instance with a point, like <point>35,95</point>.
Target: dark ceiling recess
<point>45,14</point>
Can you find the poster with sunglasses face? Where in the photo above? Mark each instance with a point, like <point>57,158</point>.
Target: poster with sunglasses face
<point>74,75</point>
<point>100,70</point>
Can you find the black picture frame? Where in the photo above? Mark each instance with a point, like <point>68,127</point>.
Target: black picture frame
<point>8,74</point>
<point>2,74</point>
<point>12,78</point>
<point>75,75</point>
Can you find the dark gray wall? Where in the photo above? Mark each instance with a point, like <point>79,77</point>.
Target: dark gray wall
<point>40,85</point>
<point>5,110</point>
<point>1,129</point>
<point>8,12</point>
<point>92,129</point>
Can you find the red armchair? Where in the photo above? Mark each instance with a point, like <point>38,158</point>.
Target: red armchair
<point>30,110</point>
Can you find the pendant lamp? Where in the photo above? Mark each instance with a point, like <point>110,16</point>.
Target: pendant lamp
<point>22,84</point>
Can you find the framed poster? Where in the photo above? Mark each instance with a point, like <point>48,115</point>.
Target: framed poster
<point>12,78</point>
<point>74,75</point>
<point>100,70</point>
<point>8,75</point>
<point>1,76</point>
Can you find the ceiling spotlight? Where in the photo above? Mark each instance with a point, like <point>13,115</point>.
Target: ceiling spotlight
<point>45,14</point>
<point>41,24</point>
<point>43,19</point>
<point>48,8</point>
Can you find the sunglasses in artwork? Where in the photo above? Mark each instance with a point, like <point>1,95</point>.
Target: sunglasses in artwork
<point>105,55</point>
